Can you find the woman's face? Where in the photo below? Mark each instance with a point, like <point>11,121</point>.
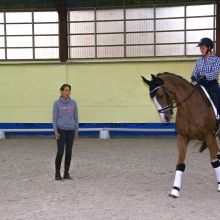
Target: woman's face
<point>203,50</point>
<point>66,92</point>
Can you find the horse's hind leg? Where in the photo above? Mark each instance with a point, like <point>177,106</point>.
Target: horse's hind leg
<point>213,150</point>
<point>180,167</point>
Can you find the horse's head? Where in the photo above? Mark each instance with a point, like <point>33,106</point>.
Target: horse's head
<point>162,97</point>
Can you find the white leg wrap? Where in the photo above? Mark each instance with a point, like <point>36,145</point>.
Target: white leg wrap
<point>178,178</point>
<point>177,184</point>
<point>217,172</point>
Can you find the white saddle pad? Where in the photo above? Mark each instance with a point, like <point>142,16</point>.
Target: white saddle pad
<point>213,106</point>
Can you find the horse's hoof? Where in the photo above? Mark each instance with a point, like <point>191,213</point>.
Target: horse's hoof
<point>172,196</point>
<point>174,193</point>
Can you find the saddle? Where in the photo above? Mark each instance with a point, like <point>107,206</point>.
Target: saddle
<point>217,116</point>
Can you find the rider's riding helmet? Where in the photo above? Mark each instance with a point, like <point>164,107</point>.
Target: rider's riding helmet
<point>206,42</point>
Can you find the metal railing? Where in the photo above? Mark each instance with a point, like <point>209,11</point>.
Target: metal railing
<point>101,130</point>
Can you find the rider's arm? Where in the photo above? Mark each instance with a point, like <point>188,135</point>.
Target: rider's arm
<point>215,68</point>
<point>196,71</point>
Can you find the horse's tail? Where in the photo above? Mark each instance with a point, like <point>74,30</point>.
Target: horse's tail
<point>203,147</point>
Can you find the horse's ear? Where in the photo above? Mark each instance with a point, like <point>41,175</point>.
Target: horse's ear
<point>153,76</point>
<point>145,80</point>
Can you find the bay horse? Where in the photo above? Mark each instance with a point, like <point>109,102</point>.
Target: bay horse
<point>195,119</point>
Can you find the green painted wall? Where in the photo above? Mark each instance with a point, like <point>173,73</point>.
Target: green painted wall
<point>104,91</point>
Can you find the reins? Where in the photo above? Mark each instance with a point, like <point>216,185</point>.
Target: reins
<point>171,106</point>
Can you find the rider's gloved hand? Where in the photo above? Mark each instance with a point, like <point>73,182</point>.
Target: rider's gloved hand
<point>203,82</point>
<point>194,80</point>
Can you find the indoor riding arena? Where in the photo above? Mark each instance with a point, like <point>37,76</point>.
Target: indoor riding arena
<point>125,158</point>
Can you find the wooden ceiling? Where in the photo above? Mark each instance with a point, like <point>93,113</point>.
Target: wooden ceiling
<point>51,4</point>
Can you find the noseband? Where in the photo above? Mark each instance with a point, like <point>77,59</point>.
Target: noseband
<point>169,107</point>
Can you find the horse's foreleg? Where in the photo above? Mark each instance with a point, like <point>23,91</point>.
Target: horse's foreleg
<point>180,167</point>
<point>214,156</point>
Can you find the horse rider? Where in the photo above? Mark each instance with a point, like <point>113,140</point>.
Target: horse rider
<point>206,71</point>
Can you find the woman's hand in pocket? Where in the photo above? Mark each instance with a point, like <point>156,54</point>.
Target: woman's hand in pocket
<point>57,135</point>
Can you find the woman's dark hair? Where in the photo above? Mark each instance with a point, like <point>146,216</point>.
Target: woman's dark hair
<point>65,85</point>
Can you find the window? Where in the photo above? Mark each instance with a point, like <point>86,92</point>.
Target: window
<point>108,33</point>
<point>140,32</point>
<point>82,34</point>
<point>29,35</point>
<point>46,35</point>
<point>2,37</point>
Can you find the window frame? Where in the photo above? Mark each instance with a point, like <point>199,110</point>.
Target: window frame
<point>154,19</point>
<point>32,35</point>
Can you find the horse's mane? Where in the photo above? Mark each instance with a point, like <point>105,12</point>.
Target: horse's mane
<point>173,74</point>
<point>186,81</point>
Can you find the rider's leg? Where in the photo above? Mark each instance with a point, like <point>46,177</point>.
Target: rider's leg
<point>214,93</point>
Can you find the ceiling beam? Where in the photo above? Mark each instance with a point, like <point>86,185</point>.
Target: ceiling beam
<point>49,4</point>
<point>218,29</point>
<point>63,34</point>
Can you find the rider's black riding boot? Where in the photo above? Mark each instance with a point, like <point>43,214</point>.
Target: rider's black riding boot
<point>214,93</point>
<point>217,123</point>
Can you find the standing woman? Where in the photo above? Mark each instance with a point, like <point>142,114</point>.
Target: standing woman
<point>65,125</point>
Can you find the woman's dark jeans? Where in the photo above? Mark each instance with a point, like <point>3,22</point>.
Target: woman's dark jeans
<point>64,142</point>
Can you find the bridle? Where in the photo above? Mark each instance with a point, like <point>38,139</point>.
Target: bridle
<point>170,104</point>
<point>169,107</point>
